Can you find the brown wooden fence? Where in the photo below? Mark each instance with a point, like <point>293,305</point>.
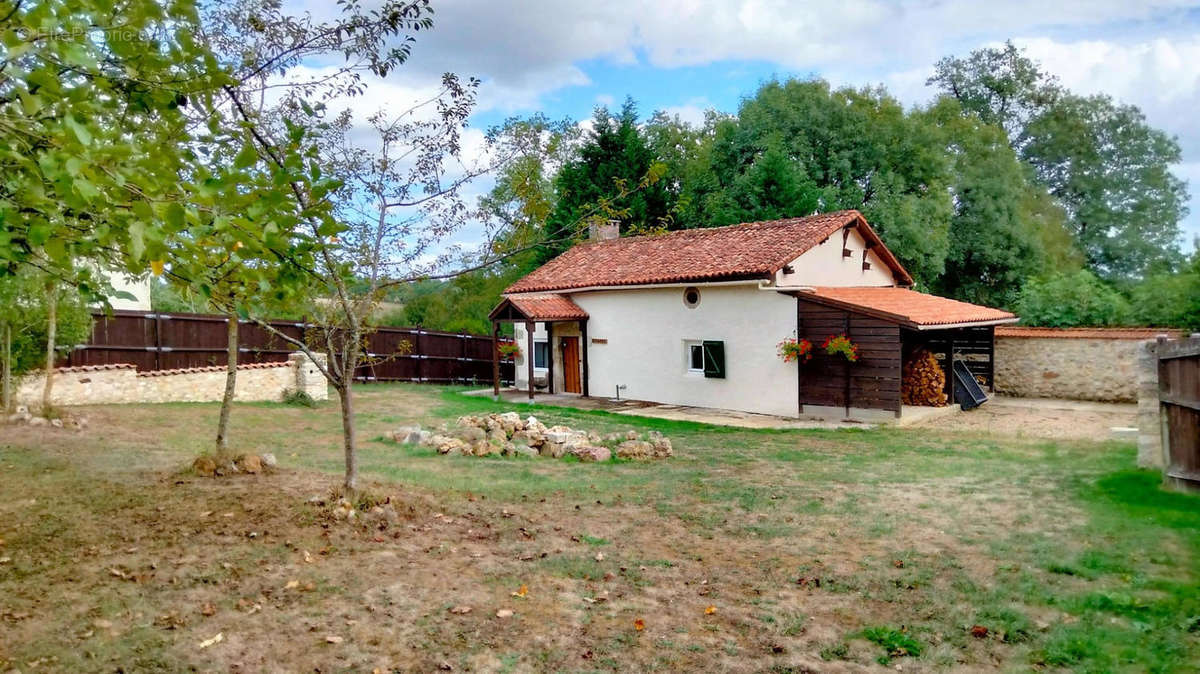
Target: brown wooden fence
<point>1179,397</point>
<point>165,341</point>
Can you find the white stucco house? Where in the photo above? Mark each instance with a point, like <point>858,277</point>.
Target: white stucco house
<point>694,317</point>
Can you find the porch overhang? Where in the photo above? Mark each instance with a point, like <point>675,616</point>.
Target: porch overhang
<point>530,309</point>
<point>907,308</point>
<point>537,307</point>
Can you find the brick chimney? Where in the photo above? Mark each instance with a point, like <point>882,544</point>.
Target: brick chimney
<point>604,231</point>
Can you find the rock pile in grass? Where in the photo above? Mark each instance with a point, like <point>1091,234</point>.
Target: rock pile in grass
<point>252,464</point>
<point>507,434</point>
<point>22,416</point>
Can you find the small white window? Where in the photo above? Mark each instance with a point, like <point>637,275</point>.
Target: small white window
<point>541,354</point>
<point>694,353</point>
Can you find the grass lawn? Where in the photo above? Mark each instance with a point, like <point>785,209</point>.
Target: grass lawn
<point>749,550</point>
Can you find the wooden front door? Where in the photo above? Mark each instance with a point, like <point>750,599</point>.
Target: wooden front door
<point>570,356</point>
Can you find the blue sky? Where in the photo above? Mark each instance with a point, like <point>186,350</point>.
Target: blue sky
<point>564,58</point>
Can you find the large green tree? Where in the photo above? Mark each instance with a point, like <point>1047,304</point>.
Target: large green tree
<point>92,139</point>
<point>608,177</point>
<point>1103,163</point>
<point>1111,171</point>
<point>1003,229</point>
<point>800,146</point>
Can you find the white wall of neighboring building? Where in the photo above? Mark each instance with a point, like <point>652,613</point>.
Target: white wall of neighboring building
<point>643,335</point>
<point>140,289</point>
<point>824,265</point>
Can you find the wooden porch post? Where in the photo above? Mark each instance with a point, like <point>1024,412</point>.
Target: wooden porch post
<point>550,354</point>
<point>950,368</point>
<point>799,365</point>
<point>529,355</point>
<point>991,371</point>
<point>496,360</point>
<point>584,339</point>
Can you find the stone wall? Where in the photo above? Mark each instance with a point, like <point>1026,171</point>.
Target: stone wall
<point>111,384</point>
<point>1078,364</point>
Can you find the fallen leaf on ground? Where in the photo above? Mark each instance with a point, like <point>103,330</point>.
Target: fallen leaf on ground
<point>710,610</point>
<point>599,556</point>
<point>334,640</point>
<point>208,609</point>
<point>979,632</point>
<point>524,590</point>
<point>291,585</point>
<point>504,613</point>
<point>215,640</point>
<point>461,610</point>
<point>639,624</point>
<point>602,596</point>
<point>307,557</point>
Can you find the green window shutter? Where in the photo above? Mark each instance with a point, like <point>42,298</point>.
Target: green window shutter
<point>714,359</point>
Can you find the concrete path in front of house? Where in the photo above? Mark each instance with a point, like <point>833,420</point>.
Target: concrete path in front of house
<point>1037,417</point>
<point>641,408</point>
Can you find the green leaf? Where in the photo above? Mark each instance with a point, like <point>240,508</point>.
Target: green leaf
<point>175,216</point>
<point>137,239</point>
<point>39,233</point>
<point>246,157</point>
<point>81,132</point>
<point>30,103</point>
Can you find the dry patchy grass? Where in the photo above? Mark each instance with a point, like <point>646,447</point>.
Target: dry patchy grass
<point>748,551</point>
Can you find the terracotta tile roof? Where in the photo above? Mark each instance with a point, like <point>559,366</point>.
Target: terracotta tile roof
<point>909,307</point>
<point>1087,333</point>
<point>751,250</point>
<point>537,307</point>
<point>212,368</point>
<point>94,368</point>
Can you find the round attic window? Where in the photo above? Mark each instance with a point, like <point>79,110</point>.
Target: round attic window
<point>691,297</point>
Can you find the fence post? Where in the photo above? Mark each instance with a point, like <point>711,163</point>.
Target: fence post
<point>417,353</point>
<point>157,341</point>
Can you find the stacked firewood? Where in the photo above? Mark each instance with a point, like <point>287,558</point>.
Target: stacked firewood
<point>923,381</point>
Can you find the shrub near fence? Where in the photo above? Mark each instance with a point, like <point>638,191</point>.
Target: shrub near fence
<point>167,341</point>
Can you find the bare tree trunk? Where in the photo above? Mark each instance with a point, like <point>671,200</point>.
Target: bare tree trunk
<point>51,330</point>
<point>231,351</point>
<point>345,391</point>
<point>346,398</point>
<point>7,375</point>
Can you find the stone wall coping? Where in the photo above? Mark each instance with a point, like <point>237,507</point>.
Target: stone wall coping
<point>91,368</point>
<point>211,368</point>
<point>1136,334</point>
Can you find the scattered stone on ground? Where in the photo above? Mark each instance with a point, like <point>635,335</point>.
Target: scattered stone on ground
<point>22,416</point>
<point>204,466</point>
<point>251,464</point>
<point>507,434</point>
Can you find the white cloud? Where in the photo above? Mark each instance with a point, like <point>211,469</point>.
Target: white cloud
<point>1160,76</point>
<point>691,112</point>
<point>1140,52</point>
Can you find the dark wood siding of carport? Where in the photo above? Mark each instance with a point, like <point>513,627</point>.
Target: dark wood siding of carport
<point>871,383</point>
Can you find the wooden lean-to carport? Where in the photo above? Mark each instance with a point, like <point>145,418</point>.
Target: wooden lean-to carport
<point>887,324</point>
<point>532,309</point>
